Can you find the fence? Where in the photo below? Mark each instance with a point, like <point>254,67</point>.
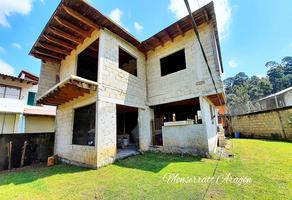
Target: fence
<point>39,147</point>
<point>271,124</point>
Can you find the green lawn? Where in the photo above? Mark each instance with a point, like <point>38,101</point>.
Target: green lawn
<point>267,163</point>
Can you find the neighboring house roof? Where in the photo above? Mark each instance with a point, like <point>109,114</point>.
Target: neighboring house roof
<point>75,20</point>
<point>21,80</point>
<point>28,76</point>
<point>276,94</point>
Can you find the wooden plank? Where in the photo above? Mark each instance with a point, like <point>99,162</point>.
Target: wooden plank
<point>59,42</point>
<point>65,35</point>
<point>45,58</point>
<point>179,29</point>
<point>47,54</point>
<point>50,52</point>
<point>71,26</point>
<point>80,17</point>
<point>53,48</point>
<point>159,40</point>
<point>168,35</point>
<point>23,154</point>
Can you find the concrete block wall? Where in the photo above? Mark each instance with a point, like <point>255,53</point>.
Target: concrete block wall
<point>48,74</point>
<point>268,124</point>
<point>117,85</point>
<point>191,138</point>
<point>64,133</point>
<point>145,128</point>
<point>106,133</point>
<point>191,82</point>
<point>69,64</point>
<point>210,123</point>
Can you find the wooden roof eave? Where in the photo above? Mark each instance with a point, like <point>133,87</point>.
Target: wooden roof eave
<point>78,85</point>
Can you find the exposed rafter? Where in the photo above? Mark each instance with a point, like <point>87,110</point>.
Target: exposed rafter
<point>159,40</point>
<point>53,48</point>
<point>71,26</point>
<point>46,58</point>
<point>59,42</point>
<point>168,35</point>
<point>48,54</point>
<point>80,17</point>
<point>179,29</point>
<point>65,35</point>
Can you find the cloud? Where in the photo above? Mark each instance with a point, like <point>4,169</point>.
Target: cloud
<point>43,2</point>
<point>6,68</point>
<point>138,27</point>
<point>222,9</point>
<point>16,45</point>
<point>232,63</point>
<point>116,15</point>
<point>2,50</point>
<point>8,7</point>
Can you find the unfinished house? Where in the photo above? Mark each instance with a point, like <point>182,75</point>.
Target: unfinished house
<point>117,95</point>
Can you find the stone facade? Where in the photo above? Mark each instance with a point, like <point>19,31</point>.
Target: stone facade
<point>269,124</point>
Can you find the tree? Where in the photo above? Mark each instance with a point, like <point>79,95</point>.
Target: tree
<point>276,77</point>
<point>240,79</point>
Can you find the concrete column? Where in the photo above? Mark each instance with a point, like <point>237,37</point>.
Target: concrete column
<point>145,128</point>
<point>106,133</point>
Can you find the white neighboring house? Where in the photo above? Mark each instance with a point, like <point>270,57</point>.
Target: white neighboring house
<point>277,100</point>
<point>18,110</point>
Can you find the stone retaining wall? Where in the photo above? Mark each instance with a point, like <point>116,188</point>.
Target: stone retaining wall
<point>273,124</point>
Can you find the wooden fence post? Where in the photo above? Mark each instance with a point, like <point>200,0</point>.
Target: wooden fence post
<point>23,154</point>
<point>9,154</point>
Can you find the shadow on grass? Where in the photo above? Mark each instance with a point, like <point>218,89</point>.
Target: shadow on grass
<point>154,162</point>
<point>31,174</point>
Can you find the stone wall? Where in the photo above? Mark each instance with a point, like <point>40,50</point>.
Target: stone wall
<point>274,124</point>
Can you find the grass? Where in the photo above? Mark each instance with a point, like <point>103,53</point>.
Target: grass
<point>267,163</point>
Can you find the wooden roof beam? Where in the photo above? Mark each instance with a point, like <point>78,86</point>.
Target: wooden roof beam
<point>71,26</point>
<point>168,35</point>
<point>53,48</point>
<point>150,46</point>
<point>47,54</point>
<point>65,35</point>
<point>206,16</point>
<point>80,17</point>
<point>59,42</point>
<point>179,29</point>
<point>45,58</point>
<point>159,40</point>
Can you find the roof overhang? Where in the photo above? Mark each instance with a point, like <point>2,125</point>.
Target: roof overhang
<point>75,20</point>
<point>67,90</point>
<point>20,80</point>
<point>217,99</point>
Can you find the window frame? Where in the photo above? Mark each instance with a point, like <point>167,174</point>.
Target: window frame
<point>9,86</point>
<point>73,123</point>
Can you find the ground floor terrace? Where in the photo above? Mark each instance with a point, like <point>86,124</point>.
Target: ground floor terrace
<point>91,132</point>
<point>142,176</point>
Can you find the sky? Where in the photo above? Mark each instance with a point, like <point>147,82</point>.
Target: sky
<point>251,32</point>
